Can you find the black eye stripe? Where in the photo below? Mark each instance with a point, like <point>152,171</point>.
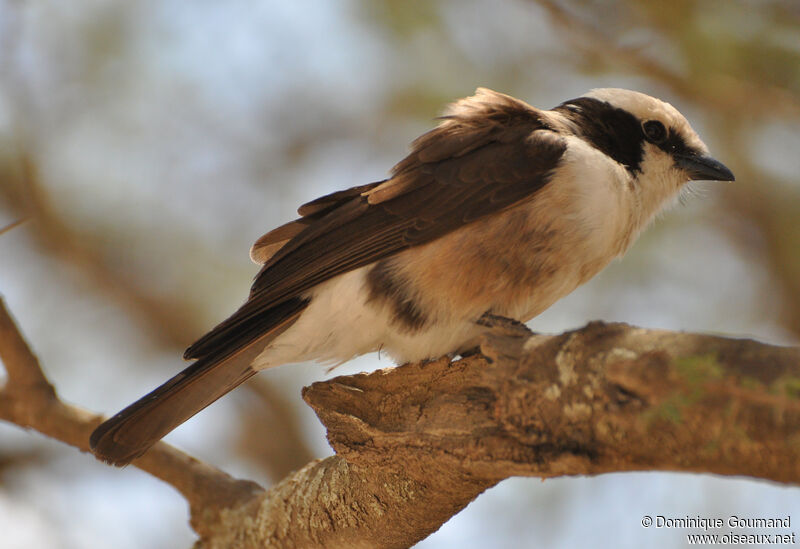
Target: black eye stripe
<point>611,130</point>
<point>674,143</point>
<point>618,133</point>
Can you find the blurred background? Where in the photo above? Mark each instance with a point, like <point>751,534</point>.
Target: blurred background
<point>148,144</point>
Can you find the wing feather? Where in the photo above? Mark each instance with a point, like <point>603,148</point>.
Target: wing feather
<point>490,153</point>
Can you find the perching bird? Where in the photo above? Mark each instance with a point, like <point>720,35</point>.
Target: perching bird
<point>501,209</point>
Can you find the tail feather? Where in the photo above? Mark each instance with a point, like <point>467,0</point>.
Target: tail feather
<point>131,432</point>
<point>135,429</point>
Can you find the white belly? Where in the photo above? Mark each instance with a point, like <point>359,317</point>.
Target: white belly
<point>339,325</point>
<point>516,264</point>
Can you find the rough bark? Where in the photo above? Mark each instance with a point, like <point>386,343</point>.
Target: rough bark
<point>608,397</point>
<point>418,442</point>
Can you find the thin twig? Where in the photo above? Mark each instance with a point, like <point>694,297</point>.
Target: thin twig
<point>22,366</point>
<point>740,97</point>
<point>13,225</point>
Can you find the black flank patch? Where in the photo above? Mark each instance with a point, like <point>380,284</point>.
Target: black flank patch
<point>614,131</point>
<point>386,286</point>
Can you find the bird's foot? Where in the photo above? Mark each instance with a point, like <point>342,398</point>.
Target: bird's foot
<point>491,320</point>
<point>472,351</point>
<point>504,338</point>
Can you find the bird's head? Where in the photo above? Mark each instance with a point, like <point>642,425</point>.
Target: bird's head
<point>649,137</point>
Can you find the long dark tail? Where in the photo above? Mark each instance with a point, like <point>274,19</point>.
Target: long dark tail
<point>135,429</point>
<point>131,432</point>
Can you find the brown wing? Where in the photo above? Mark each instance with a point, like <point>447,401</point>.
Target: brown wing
<point>266,246</point>
<point>490,153</point>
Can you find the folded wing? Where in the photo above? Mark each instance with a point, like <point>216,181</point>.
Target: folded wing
<point>490,153</point>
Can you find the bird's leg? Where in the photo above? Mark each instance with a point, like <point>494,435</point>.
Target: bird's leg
<point>504,337</point>
<point>491,320</point>
<point>508,326</point>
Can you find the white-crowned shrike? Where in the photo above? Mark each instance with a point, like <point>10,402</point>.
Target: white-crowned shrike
<point>502,209</point>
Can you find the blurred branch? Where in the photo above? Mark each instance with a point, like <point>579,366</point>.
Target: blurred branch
<point>13,225</point>
<point>283,449</point>
<point>714,91</point>
<point>25,195</point>
<point>417,443</point>
<point>29,400</point>
<point>584,36</point>
<point>169,322</point>
<point>774,212</point>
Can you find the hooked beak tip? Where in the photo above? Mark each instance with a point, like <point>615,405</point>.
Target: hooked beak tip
<point>704,168</point>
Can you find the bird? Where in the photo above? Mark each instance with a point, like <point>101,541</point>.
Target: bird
<point>501,209</point>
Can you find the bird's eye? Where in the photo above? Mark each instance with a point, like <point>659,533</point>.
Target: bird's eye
<point>654,131</point>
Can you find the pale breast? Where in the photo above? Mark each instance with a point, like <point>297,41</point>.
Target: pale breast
<point>518,262</point>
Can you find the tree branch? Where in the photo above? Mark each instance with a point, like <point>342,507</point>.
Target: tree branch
<point>418,442</point>
<point>740,95</point>
<point>608,397</point>
<point>29,400</point>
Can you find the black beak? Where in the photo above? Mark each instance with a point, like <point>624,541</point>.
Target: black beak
<point>703,168</point>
